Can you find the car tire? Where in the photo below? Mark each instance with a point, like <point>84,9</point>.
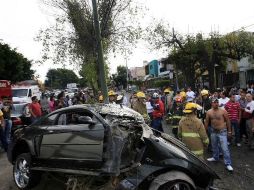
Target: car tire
<point>176,185</point>
<point>173,180</point>
<point>23,176</point>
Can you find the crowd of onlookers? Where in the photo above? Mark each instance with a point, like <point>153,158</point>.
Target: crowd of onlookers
<point>213,119</point>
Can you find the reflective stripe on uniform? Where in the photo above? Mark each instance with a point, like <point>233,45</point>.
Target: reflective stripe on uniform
<point>177,117</point>
<point>198,152</point>
<point>206,141</point>
<point>190,135</point>
<point>174,126</point>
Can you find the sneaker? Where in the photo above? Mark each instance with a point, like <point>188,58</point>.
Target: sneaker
<point>211,159</point>
<point>238,144</point>
<point>229,168</point>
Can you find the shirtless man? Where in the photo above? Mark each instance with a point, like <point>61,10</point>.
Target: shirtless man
<point>220,130</point>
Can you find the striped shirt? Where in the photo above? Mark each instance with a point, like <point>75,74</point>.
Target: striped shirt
<point>233,109</point>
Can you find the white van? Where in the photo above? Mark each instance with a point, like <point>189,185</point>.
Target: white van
<point>23,94</point>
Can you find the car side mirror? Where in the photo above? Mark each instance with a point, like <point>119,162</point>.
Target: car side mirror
<point>86,120</point>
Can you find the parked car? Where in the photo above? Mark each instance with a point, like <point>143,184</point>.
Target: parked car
<point>103,141</point>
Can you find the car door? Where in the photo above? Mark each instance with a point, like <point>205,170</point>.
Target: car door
<point>69,143</point>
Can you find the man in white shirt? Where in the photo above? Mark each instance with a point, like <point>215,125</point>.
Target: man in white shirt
<point>190,94</point>
<point>223,99</point>
<point>249,122</point>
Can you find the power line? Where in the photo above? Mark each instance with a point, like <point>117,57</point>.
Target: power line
<point>243,28</point>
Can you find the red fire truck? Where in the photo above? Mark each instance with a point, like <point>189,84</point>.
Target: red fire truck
<point>5,89</point>
<point>6,92</point>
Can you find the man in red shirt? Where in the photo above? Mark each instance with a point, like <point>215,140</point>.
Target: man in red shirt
<point>35,110</point>
<point>158,112</point>
<point>234,112</point>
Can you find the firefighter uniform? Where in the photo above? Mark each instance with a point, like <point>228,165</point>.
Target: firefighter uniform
<point>176,115</point>
<point>191,131</point>
<point>140,106</point>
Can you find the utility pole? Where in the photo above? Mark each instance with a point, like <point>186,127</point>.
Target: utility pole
<point>100,61</point>
<point>127,73</point>
<point>176,70</point>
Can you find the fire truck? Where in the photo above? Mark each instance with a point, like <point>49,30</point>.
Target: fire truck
<point>5,89</point>
<point>6,92</point>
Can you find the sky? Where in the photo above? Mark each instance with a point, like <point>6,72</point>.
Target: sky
<point>21,20</point>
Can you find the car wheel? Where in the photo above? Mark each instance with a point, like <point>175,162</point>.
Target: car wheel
<point>23,176</point>
<point>176,185</point>
<point>173,180</point>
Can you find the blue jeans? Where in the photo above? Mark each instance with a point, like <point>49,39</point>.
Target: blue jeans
<point>156,124</point>
<point>220,139</point>
<point>235,125</point>
<point>34,119</point>
<point>5,134</point>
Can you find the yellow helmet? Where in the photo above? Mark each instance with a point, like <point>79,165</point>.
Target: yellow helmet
<point>190,107</point>
<point>111,93</point>
<point>182,94</point>
<point>204,92</point>
<point>166,90</point>
<point>100,98</point>
<point>141,95</point>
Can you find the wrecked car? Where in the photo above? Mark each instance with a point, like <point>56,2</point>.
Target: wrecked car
<point>105,141</point>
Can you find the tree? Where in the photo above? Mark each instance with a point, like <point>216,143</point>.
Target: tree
<point>121,76</point>
<point>73,40</point>
<point>59,78</point>
<point>193,55</point>
<point>13,65</point>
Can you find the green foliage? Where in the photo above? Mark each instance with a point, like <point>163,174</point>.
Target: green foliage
<point>193,55</point>
<point>161,83</point>
<point>121,76</point>
<point>89,73</point>
<point>13,65</point>
<point>72,39</point>
<point>59,78</point>
<point>138,83</point>
<point>158,83</point>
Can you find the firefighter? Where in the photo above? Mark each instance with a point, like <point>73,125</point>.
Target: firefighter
<point>112,97</point>
<point>168,100</point>
<point>133,99</point>
<point>176,115</point>
<point>100,97</point>
<point>183,94</point>
<point>205,103</point>
<point>140,106</point>
<point>192,132</point>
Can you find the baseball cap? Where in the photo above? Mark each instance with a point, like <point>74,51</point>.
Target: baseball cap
<point>215,99</point>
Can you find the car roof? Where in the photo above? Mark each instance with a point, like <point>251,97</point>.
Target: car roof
<point>107,109</point>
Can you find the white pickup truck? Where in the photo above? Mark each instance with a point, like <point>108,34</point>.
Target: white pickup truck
<point>22,97</point>
<point>23,94</point>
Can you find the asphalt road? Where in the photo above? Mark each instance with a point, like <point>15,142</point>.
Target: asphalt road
<point>48,182</point>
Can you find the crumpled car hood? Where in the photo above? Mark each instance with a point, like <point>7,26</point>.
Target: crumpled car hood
<point>116,110</point>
